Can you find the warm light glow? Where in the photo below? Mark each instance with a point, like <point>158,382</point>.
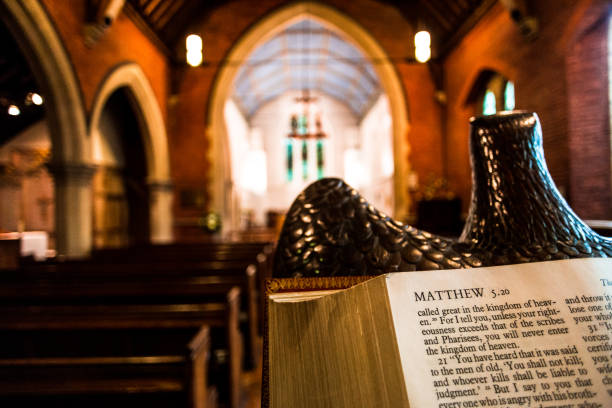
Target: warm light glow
<point>255,176</point>
<point>387,121</point>
<point>422,43</point>
<point>194,56</point>
<point>387,167</point>
<point>354,170</point>
<point>36,98</point>
<point>422,54</point>
<point>422,39</point>
<point>193,42</point>
<point>13,110</point>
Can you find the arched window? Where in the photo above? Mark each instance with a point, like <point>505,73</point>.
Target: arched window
<point>496,95</point>
<point>304,160</point>
<point>509,96</point>
<point>320,159</point>
<point>488,104</point>
<point>289,159</point>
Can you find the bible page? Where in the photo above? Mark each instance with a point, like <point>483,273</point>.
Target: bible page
<point>528,335</point>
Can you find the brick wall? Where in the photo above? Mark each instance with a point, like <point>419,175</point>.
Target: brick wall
<point>121,42</point>
<point>539,70</point>
<point>550,75</point>
<point>589,129</point>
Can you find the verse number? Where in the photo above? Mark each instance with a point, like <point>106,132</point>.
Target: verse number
<point>499,292</point>
<point>442,361</point>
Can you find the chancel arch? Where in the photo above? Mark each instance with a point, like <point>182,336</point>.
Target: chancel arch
<point>221,180</point>
<point>70,162</point>
<point>130,145</point>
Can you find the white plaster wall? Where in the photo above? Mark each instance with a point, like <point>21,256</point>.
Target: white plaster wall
<point>273,121</point>
<point>238,135</point>
<point>240,143</point>
<point>376,141</point>
<point>372,137</point>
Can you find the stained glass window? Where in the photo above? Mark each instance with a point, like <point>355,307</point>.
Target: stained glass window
<point>302,125</point>
<point>304,160</point>
<point>509,96</point>
<point>488,104</point>
<point>320,160</point>
<point>289,160</point>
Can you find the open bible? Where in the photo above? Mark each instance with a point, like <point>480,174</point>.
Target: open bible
<point>533,335</point>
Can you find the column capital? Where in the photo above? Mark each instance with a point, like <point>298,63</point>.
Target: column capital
<point>160,185</point>
<point>72,171</point>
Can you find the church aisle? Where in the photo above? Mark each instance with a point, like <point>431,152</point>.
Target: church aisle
<point>250,382</point>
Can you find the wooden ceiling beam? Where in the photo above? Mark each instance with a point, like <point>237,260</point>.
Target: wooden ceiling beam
<point>457,10</point>
<point>159,13</point>
<point>466,26</point>
<point>150,6</point>
<point>176,5</point>
<point>164,21</point>
<point>133,14</point>
<point>438,16</point>
<point>186,18</point>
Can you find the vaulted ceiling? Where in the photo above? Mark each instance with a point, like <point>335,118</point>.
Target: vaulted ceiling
<point>306,56</point>
<point>165,21</point>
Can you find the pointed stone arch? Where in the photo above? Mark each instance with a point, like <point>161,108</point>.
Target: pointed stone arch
<point>71,149</point>
<point>220,183</point>
<point>129,76</point>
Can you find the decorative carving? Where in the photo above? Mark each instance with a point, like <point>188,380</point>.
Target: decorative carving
<point>276,285</point>
<point>25,162</point>
<point>516,215</point>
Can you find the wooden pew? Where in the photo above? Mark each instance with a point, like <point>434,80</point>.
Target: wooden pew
<point>28,306</point>
<point>190,278</point>
<point>238,253</point>
<point>26,379</point>
<point>211,255</point>
<point>182,252</point>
